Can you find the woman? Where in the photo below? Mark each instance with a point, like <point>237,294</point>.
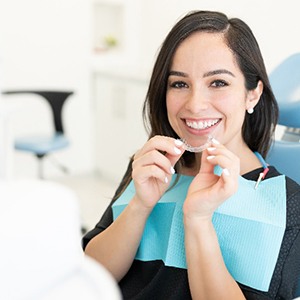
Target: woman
<point>212,230</point>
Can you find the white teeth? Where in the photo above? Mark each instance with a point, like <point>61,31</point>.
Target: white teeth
<point>202,125</point>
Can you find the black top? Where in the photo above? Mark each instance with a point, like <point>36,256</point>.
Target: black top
<point>154,280</point>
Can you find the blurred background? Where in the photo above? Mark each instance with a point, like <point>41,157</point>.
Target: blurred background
<point>103,51</point>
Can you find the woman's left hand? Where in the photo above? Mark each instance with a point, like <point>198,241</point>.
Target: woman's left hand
<point>208,191</point>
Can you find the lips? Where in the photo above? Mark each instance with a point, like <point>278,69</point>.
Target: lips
<point>201,125</point>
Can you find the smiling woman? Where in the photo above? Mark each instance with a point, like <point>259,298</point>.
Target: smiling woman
<point>206,91</point>
<point>185,225</point>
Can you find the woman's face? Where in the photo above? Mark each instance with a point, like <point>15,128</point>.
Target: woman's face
<point>206,92</point>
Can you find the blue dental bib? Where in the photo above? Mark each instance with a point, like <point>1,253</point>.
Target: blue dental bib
<point>250,226</point>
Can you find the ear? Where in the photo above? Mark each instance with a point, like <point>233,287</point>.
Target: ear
<point>253,96</point>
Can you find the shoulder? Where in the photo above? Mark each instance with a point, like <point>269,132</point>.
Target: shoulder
<point>292,193</point>
<point>286,274</point>
<point>292,198</point>
<point>293,203</point>
<point>292,187</point>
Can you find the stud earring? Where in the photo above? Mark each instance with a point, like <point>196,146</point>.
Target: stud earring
<point>250,110</point>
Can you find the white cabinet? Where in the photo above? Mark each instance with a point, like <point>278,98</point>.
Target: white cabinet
<point>118,120</point>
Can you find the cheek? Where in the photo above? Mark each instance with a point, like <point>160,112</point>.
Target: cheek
<point>231,104</point>
<point>235,114</point>
<point>172,111</point>
<point>171,106</point>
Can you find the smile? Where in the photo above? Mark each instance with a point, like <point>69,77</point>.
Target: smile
<point>201,124</point>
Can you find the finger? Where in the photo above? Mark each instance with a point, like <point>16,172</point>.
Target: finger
<point>154,157</point>
<point>170,147</point>
<point>229,163</point>
<point>227,160</point>
<point>208,160</point>
<point>142,175</point>
<point>161,143</point>
<point>207,166</point>
<point>173,158</point>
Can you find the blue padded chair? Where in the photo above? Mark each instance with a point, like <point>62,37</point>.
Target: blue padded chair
<point>285,82</point>
<point>41,146</point>
<point>285,156</point>
<point>285,153</point>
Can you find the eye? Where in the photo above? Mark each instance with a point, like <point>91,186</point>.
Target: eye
<point>219,83</point>
<point>178,85</point>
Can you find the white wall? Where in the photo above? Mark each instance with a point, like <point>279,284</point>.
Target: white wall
<point>44,44</point>
<point>274,23</point>
<point>47,44</point>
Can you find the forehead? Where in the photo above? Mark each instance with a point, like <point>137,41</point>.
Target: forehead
<point>205,50</point>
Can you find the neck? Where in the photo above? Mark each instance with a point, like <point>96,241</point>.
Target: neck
<point>250,162</point>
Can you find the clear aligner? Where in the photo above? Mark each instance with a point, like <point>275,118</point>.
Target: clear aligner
<point>199,148</point>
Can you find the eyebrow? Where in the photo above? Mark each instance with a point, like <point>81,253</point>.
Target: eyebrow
<point>207,74</point>
<point>219,71</point>
<point>177,73</point>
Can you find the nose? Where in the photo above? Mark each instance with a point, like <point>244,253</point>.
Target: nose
<point>197,101</point>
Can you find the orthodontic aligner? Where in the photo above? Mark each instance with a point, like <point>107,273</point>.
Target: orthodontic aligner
<point>198,149</point>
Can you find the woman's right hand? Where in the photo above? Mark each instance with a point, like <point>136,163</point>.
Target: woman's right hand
<point>152,168</point>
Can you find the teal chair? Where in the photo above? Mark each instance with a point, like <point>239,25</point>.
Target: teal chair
<point>285,156</point>
<point>285,82</point>
<point>285,153</point>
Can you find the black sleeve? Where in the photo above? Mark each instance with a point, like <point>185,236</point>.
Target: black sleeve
<point>286,276</point>
<point>107,217</point>
<point>105,221</point>
<point>290,250</point>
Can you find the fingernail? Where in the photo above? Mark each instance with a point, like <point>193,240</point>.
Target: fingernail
<point>172,170</point>
<point>226,172</point>
<point>210,157</point>
<point>178,143</point>
<point>166,179</point>
<point>177,151</point>
<point>214,141</point>
<point>211,148</point>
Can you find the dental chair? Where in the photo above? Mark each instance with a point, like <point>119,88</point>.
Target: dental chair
<point>285,82</point>
<point>285,153</point>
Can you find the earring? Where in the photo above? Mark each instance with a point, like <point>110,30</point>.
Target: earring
<point>250,110</point>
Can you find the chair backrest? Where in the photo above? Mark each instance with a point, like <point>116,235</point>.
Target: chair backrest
<point>285,156</point>
<point>56,100</point>
<point>285,82</point>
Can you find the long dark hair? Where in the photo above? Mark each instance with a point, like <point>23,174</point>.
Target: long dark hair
<point>258,128</point>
